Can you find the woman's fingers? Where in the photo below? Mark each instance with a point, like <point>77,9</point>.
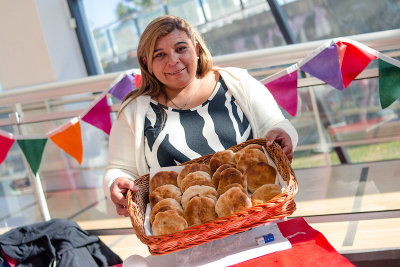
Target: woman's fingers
<point>283,139</point>
<point>118,194</point>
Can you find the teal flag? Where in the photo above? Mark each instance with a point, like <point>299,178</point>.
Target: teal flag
<point>389,83</point>
<point>33,151</point>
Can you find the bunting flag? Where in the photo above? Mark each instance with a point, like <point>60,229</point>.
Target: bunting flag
<point>69,138</point>
<point>123,87</point>
<point>325,66</point>
<point>33,151</point>
<point>6,142</point>
<point>284,90</point>
<point>389,83</point>
<point>353,61</point>
<point>99,115</point>
<point>138,80</point>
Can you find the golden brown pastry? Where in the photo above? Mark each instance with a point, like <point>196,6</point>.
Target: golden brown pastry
<point>231,176</point>
<point>264,194</point>
<point>164,205</point>
<point>162,178</point>
<point>200,210</point>
<point>259,174</point>
<point>168,222</point>
<point>221,158</point>
<point>191,168</point>
<point>250,157</point>
<point>232,201</point>
<point>226,188</point>
<point>198,191</point>
<point>240,152</point>
<point>165,191</point>
<point>196,178</point>
<point>217,173</point>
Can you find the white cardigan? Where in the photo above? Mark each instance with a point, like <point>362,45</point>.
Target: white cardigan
<point>126,146</point>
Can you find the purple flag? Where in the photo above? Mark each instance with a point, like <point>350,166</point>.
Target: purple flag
<point>284,90</point>
<point>123,87</point>
<point>325,66</point>
<point>99,116</point>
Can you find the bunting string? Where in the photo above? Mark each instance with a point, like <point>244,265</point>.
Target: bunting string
<point>337,63</point>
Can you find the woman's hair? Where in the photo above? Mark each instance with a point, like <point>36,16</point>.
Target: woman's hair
<point>158,28</point>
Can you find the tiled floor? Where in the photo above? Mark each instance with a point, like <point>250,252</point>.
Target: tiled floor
<point>324,190</point>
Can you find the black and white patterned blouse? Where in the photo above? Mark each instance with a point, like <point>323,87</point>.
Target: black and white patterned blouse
<point>182,135</point>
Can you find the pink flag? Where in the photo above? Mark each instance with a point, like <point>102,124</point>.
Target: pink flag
<point>6,141</point>
<point>99,116</point>
<point>284,90</point>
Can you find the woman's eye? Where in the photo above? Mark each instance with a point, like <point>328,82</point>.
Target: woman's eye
<point>182,48</point>
<point>159,55</point>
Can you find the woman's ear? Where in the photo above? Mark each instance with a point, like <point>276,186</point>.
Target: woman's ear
<point>198,49</point>
<point>144,60</point>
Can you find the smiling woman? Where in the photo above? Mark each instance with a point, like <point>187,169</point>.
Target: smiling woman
<point>185,108</point>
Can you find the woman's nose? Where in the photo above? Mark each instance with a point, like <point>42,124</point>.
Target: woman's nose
<point>173,58</point>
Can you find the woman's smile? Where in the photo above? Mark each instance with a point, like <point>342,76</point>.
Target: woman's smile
<point>177,72</point>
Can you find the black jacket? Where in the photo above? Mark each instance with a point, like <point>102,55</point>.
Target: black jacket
<point>59,240</point>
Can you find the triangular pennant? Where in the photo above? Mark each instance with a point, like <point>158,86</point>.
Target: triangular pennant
<point>6,141</point>
<point>284,90</point>
<point>325,66</point>
<point>69,139</point>
<point>99,116</point>
<point>123,87</point>
<point>33,151</point>
<point>389,83</point>
<point>353,61</point>
<point>138,80</point>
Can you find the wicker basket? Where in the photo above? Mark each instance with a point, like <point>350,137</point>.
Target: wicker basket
<point>279,207</point>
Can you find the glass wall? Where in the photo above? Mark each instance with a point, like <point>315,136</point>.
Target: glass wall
<point>234,26</point>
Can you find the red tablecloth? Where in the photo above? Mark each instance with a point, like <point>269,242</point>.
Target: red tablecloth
<point>309,248</point>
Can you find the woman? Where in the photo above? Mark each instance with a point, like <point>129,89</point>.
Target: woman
<point>185,108</point>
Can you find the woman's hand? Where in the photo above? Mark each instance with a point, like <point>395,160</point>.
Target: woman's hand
<point>283,139</point>
<point>118,194</point>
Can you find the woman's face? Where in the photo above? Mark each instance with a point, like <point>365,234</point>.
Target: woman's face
<point>175,60</point>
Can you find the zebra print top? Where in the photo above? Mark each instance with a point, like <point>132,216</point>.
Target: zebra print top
<point>178,136</point>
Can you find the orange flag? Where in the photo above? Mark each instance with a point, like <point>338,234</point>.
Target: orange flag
<point>68,137</point>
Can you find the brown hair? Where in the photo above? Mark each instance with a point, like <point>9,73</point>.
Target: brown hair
<point>160,27</point>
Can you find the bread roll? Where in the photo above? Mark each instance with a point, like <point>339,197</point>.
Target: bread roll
<point>259,174</point>
<point>217,173</point>
<point>162,178</point>
<point>196,178</point>
<point>200,210</point>
<point>231,176</point>
<point>250,157</point>
<point>226,188</point>
<point>198,191</point>
<point>191,168</point>
<point>221,158</point>
<point>164,205</point>
<point>168,222</point>
<point>252,146</point>
<point>264,194</point>
<point>232,201</point>
<point>165,191</point>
